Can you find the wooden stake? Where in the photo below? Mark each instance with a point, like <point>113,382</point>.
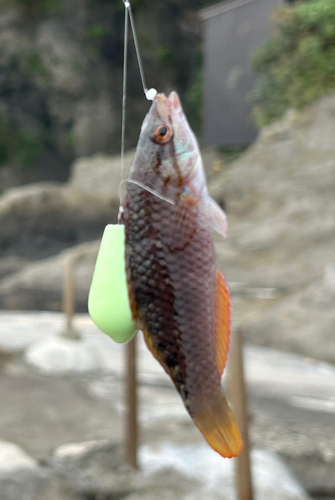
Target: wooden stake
<point>238,399</point>
<point>69,297</point>
<point>131,401</point>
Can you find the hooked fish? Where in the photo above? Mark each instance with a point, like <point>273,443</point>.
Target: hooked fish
<point>177,295</point>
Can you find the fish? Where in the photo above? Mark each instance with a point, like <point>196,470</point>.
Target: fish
<point>177,295</point>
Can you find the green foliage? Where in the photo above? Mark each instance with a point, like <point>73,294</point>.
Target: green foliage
<point>96,32</point>
<point>166,56</point>
<point>41,7</point>
<point>28,148</point>
<point>94,36</point>
<point>17,145</point>
<point>35,65</point>
<point>297,65</point>
<point>68,139</point>
<point>3,145</point>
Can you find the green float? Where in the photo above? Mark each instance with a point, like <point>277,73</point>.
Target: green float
<point>108,301</point>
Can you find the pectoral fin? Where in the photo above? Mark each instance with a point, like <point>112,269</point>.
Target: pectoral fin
<point>218,218</point>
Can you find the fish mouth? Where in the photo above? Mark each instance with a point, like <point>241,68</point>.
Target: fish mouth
<point>174,101</point>
<point>167,106</point>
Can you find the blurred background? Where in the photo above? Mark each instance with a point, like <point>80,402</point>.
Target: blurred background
<point>257,82</point>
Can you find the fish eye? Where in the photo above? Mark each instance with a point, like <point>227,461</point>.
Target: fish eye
<point>163,134</point>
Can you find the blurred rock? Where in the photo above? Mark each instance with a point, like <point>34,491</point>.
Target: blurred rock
<point>41,219</point>
<point>62,58</point>
<point>39,285</point>
<point>95,468</point>
<point>62,355</point>
<point>43,412</point>
<point>280,203</point>
<point>94,125</point>
<point>100,175</point>
<point>271,478</point>
<point>98,468</point>
<point>19,331</point>
<point>13,457</point>
<point>280,199</point>
<point>11,177</point>
<point>19,474</point>
<point>22,478</point>
<point>164,494</point>
<point>10,265</point>
<point>56,354</point>
<point>300,322</point>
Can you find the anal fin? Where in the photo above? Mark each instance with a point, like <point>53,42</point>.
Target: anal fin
<point>223,322</point>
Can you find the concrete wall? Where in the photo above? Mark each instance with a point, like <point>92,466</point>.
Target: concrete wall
<point>232,31</point>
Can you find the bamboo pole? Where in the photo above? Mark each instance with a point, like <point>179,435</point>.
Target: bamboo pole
<point>238,399</point>
<point>131,403</point>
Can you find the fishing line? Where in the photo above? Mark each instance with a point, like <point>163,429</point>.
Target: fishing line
<point>124,98</point>
<point>139,60</point>
<point>149,94</point>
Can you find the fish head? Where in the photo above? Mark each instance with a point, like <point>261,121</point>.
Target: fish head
<point>167,156</point>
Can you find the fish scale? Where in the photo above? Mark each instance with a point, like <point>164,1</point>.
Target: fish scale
<point>182,290</point>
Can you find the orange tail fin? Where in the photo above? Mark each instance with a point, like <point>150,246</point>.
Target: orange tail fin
<point>215,421</point>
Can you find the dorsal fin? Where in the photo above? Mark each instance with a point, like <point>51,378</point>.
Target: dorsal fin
<point>223,322</point>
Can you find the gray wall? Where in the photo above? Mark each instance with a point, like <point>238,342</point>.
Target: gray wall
<point>230,39</point>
